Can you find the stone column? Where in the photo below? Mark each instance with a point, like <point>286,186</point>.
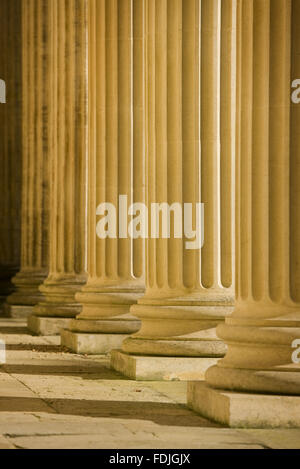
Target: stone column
<point>116,168</point>
<point>36,145</point>
<point>10,144</point>
<point>190,102</point>
<point>257,384</point>
<point>68,169</point>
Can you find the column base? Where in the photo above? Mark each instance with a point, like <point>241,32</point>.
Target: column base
<point>6,287</point>
<point>59,310</point>
<point>91,343</point>
<point>179,327</point>
<point>124,325</point>
<point>243,410</point>
<point>156,368</point>
<point>16,311</point>
<point>2,300</point>
<point>47,326</point>
<point>175,347</point>
<point>59,297</point>
<point>26,285</point>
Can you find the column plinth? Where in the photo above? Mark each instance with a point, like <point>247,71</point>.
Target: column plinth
<point>258,381</point>
<point>116,168</point>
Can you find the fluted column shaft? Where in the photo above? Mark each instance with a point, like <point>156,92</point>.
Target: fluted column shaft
<point>191,134</point>
<point>10,143</point>
<point>116,164</point>
<point>36,143</point>
<point>266,320</point>
<point>68,20</point>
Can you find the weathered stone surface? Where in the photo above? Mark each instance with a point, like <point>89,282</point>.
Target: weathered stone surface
<point>5,443</point>
<point>47,326</point>
<point>257,384</point>
<point>91,343</point>
<point>150,368</point>
<point>244,410</point>
<point>53,399</point>
<point>16,311</point>
<point>150,442</point>
<point>35,141</point>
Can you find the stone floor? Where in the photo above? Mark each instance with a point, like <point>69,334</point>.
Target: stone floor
<point>53,399</point>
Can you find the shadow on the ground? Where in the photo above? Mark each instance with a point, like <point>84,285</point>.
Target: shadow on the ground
<point>14,330</point>
<point>160,413</point>
<point>35,348</point>
<point>167,414</point>
<point>83,369</point>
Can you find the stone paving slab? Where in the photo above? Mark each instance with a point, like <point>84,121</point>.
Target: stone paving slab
<point>97,442</point>
<point>53,399</point>
<point>277,438</point>
<point>6,443</point>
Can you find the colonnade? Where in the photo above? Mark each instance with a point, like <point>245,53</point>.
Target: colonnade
<point>176,102</point>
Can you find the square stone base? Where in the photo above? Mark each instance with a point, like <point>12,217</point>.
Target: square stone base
<point>242,410</point>
<point>91,343</point>
<point>47,325</point>
<point>154,368</point>
<point>16,311</point>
